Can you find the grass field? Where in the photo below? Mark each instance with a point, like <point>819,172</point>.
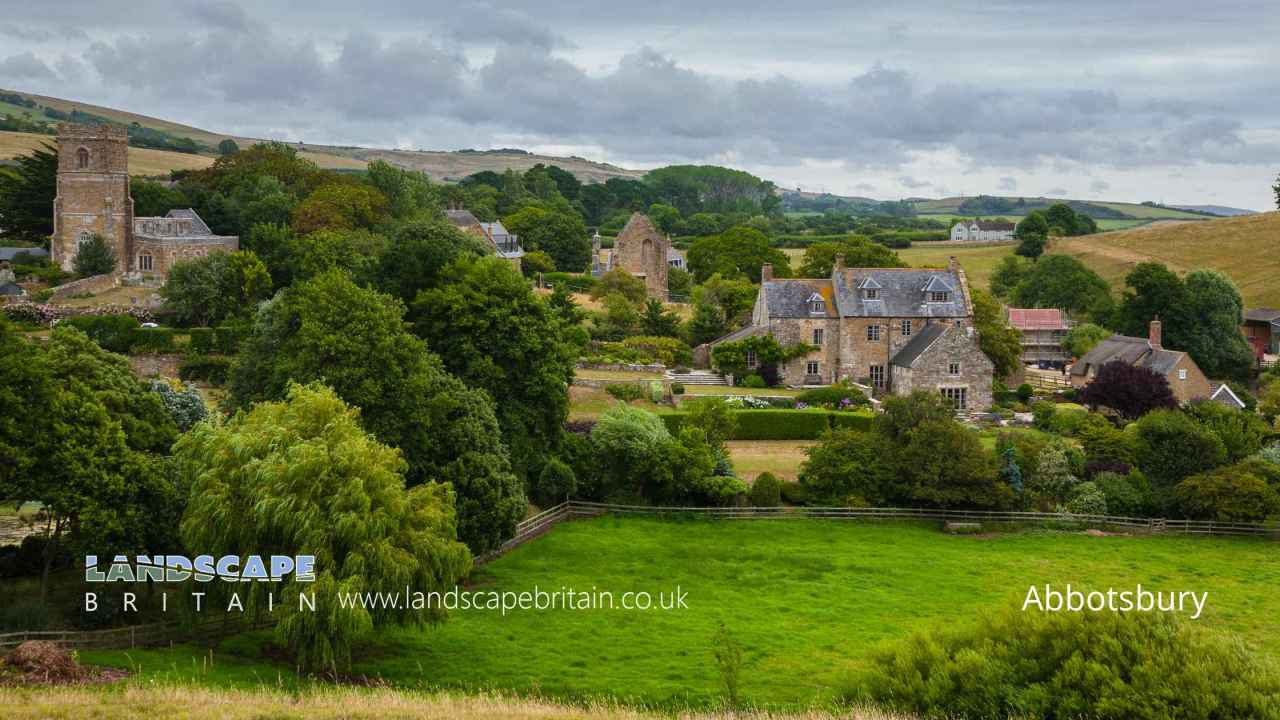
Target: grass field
<point>806,599</point>
<point>780,457</point>
<point>1245,248</point>
<point>142,161</point>
<point>187,702</point>
<point>978,262</point>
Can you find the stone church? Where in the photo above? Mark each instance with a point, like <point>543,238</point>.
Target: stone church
<point>93,199</point>
<point>640,250</point>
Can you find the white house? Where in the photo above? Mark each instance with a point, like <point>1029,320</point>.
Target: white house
<point>982,230</point>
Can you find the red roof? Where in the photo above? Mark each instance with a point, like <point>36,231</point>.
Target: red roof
<point>1036,319</point>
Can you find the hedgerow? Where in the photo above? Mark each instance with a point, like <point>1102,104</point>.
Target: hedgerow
<point>782,424</point>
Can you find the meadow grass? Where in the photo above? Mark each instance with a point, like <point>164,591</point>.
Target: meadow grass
<point>780,457</point>
<point>806,598</point>
<point>142,161</point>
<point>979,262</point>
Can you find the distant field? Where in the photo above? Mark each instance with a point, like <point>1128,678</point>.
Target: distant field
<point>978,262</point>
<point>1245,248</point>
<point>807,599</point>
<point>142,161</point>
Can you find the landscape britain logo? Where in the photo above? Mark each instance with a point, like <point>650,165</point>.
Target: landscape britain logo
<point>200,569</point>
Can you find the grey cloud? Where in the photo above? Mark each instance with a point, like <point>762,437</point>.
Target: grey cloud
<point>1008,184</point>
<point>1056,192</point>
<point>1099,186</point>
<point>25,67</point>
<point>220,14</point>
<point>913,184</point>
<point>41,33</point>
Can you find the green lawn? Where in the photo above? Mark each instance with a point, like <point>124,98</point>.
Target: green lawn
<point>807,599</point>
<point>727,390</point>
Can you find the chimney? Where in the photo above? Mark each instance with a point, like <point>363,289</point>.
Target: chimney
<point>839,263</point>
<point>952,264</point>
<point>1153,335</point>
<point>766,272</point>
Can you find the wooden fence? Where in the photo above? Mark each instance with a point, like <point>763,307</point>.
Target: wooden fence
<point>543,522</point>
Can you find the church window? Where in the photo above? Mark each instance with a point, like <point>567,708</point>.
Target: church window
<point>82,158</point>
<point>144,262</point>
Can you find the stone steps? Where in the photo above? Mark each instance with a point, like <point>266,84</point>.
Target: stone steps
<point>697,378</point>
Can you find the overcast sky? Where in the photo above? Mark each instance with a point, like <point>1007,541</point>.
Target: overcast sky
<point>1173,101</point>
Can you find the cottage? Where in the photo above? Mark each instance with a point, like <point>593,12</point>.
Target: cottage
<point>895,329</point>
<point>1262,329</point>
<point>1184,376</point>
<point>1043,332</point>
<point>505,245</point>
<point>982,231</point>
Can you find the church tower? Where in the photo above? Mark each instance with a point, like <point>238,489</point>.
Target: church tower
<point>93,192</point>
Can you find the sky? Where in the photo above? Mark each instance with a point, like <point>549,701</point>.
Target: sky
<point>1173,101</point>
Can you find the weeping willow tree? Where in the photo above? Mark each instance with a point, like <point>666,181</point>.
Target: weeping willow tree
<point>300,477</point>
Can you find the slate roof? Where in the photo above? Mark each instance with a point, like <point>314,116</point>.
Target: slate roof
<point>8,253</point>
<point>198,226</point>
<point>12,289</point>
<point>902,293</point>
<point>1227,396</point>
<point>994,225</point>
<point>198,232</point>
<point>1131,350</point>
<point>919,343</point>
<point>1036,319</point>
<point>1267,315</point>
<point>790,298</point>
<point>748,331</point>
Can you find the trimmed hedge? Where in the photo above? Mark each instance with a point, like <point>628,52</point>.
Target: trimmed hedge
<point>201,341</point>
<point>226,338</point>
<point>114,333</point>
<point>152,340</point>
<point>575,283</point>
<point>212,369</point>
<point>781,424</point>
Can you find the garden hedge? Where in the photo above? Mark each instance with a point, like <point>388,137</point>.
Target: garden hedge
<point>212,369</point>
<point>201,341</point>
<point>152,340</point>
<point>575,283</point>
<point>226,338</point>
<point>114,333</point>
<point>782,424</point>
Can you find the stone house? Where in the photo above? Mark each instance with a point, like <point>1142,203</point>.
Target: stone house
<point>982,230</point>
<point>1184,376</point>
<point>1262,329</point>
<point>1043,331</point>
<point>505,245</point>
<point>641,250</point>
<point>93,199</point>
<point>895,329</point>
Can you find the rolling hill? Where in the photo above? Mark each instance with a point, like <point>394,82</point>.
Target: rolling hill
<point>1246,248</point>
<point>440,165</point>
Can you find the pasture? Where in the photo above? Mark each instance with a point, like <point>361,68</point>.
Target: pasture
<point>806,599</point>
<point>142,161</point>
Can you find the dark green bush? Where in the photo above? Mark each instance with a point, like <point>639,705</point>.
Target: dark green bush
<point>556,483</point>
<point>212,369</point>
<point>753,381</point>
<point>793,493</point>
<point>575,283</point>
<point>626,392</point>
<point>781,424</point>
<point>226,338</point>
<point>201,341</point>
<point>834,397</point>
<point>677,388</point>
<point>766,491</point>
<point>1025,391</point>
<point>1104,665</point>
<point>114,333</point>
<point>29,615</point>
<point>152,340</point>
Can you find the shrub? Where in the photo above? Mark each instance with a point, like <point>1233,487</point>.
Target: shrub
<point>793,493</point>
<point>766,491</point>
<point>574,283</point>
<point>212,369</point>
<point>1025,391</point>
<point>625,392</point>
<point>227,338</point>
<point>666,350</point>
<point>778,424</point>
<point>677,388</point>
<point>29,615</point>
<point>201,341</point>
<point>1130,390</point>
<point>753,381</point>
<point>115,333</point>
<point>1110,666</point>
<point>850,468</point>
<point>152,340</point>
<point>1126,495</point>
<point>556,483</point>
<point>185,405</point>
<point>1226,495</point>
<point>1171,446</point>
<point>1087,498</point>
<point>834,397</point>
<point>1043,412</point>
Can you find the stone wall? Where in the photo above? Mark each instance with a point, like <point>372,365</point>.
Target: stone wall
<point>85,286</point>
<point>641,250</point>
<point>931,371</point>
<point>793,331</point>
<point>164,253</point>
<point>93,199</point>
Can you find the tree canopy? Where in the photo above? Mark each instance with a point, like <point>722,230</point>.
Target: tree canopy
<point>739,252</point>
<point>208,290</point>
<point>1063,282</point>
<point>26,196</point>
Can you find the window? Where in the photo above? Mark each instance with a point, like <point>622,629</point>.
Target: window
<point>82,159</point>
<point>953,368</point>
<point>817,336</point>
<point>877,376</point>
<point>818,307</point>
<point>1182,373</point>
<point>871,294</point>
<point>84,237</point>
<point>956,396</point>
<point>144,262</point>
<point>873,333</point>
<point>906,328</point>
<point>751,359</point>
<point>939,297</point>
<point>811,367</point>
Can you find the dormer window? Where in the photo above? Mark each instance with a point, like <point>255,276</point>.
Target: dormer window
<point>870,289</point>
<point>870,294</point>
<point>940,297</point>
<point>817,306</point>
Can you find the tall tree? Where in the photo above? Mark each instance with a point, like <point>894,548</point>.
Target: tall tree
<point>1008,274</point>
<point>304,477</point>
<point>211,289</point>
<point>560,234</point>
<point>354,340</point>
<point>496,335</point>
<point>1033,233</point>
<point>1129,390</point>
<point>1063,282</point>
<point>739,252</point>
<point>419,252</point>
<point>819,258</point>
<point>999,341</point>
<point>94,257</point>
<point>26,196</point>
